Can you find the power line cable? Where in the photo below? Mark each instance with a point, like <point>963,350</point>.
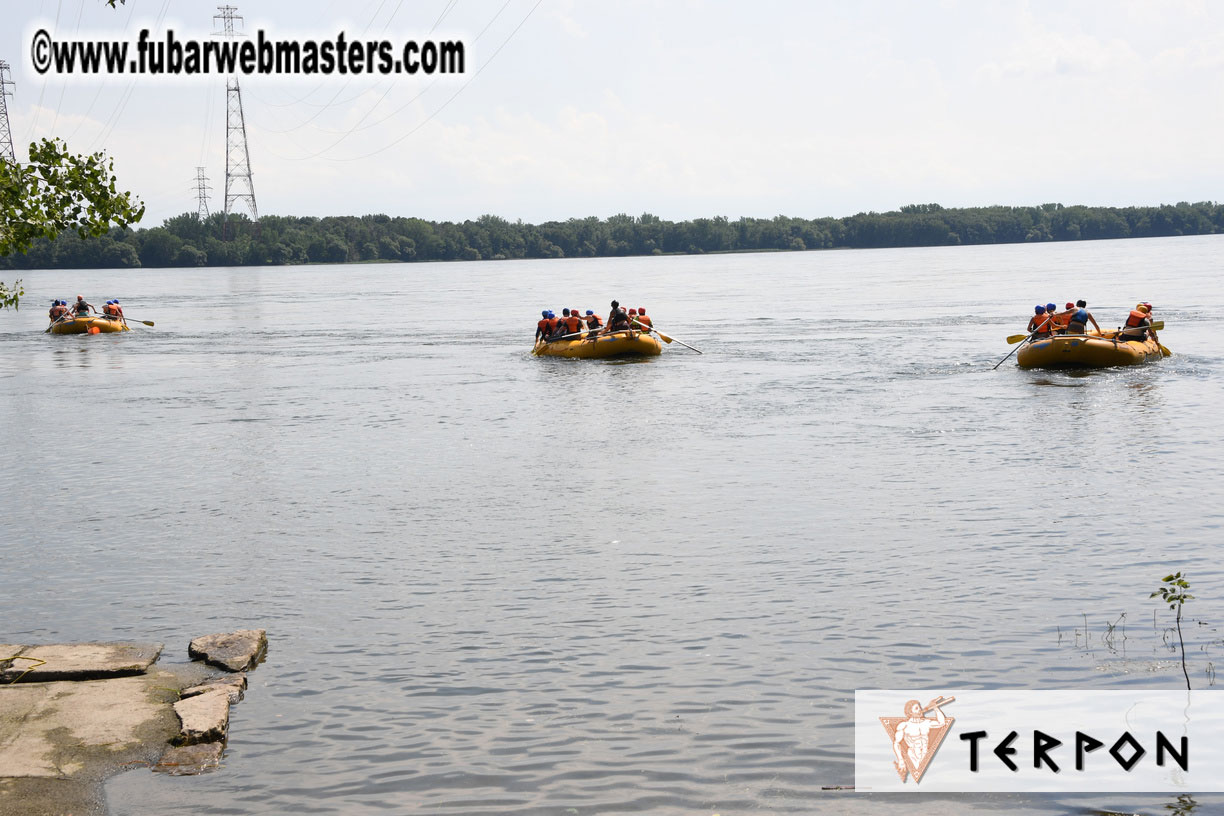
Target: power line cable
<point>394,113</point>
<point>43,91</point>
<point>464,87</point>
<point>98,93</point>
<point>117,115</point>
<point>349,132</point>
<point>331,102</point>
<point>64,85</point>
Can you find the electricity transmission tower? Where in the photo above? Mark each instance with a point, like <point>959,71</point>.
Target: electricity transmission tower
<point>237,156</point>
<point>6,133</point>
<point>202,189</point>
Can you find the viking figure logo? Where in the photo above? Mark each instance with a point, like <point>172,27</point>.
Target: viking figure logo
<point>916,737</point>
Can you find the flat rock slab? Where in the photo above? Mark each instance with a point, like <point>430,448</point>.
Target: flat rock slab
<point>204,717</point>
<point>232,651</point>
<point>188,760</point>
<point>75,661</point>
<point>232,684</point>
<point>63,730</point>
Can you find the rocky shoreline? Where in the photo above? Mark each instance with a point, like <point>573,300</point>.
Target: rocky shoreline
<point>73,714</point>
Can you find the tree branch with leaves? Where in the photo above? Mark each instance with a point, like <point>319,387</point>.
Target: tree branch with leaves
<point>60,191</point>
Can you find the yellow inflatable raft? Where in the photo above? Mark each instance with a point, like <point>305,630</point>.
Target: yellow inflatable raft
<point>616,344</point>
<point>82,325</point>
<point>1087,351</point>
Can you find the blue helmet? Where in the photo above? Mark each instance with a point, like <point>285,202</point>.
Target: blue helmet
<point>1051,307</point>
<point>1039,309</point>
<point>544,313</point>
<point>590,312</point>
<point>115,301</point>
<point>551,314</point>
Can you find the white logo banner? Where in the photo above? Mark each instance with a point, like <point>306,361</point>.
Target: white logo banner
<point>952,740</point>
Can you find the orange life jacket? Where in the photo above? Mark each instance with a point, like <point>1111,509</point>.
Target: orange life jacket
<point>1040,325</point>
<point>644,320</point>
<point>552,324</point>
<point>542,326</point>
<point>108,309</point>
<point>594,321</point>
<point>572,323</point>
<point>1061,319</point>
<point>1135,319</point>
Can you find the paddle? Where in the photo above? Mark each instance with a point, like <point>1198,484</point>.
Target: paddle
<point>1013,351</point>
<point>568,336</point>
<point>648,329</point>
<point>664,337</point>
<point>60,319</point>
<point>584,332</point>
<point>132,320</point>
<point>1016,338</point>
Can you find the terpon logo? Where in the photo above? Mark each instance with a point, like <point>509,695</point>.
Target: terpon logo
<point>916,737</point>
<point>1012,741</point>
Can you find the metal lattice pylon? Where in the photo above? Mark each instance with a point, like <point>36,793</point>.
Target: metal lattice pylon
<point>6,133</point>
<point>238,185</point>
<point>202,189</point>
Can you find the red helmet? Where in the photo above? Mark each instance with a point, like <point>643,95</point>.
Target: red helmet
<point>641,310</point>
<point>1070,305</point>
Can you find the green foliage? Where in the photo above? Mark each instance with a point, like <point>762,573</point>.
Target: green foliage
<point>1174,592</point>
<point>57,192</point>
<point>279,240</point>
<point>10,296</point>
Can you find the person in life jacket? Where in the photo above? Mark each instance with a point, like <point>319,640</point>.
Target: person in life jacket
<point>644,322</point>
<point>573,323</point>
<point>594,323</point>
<point>1138,323</point>
<point>58,309</point>
<point>118,311</point>
<point>618,320</point>
<point>558,324</point>
<point>1080,318</point>
<point>542,327</point>
<point>1050,312</point>
<point>109,309</point>
<point>612,315</point>
<point>82,308</point>
<point>1061,319</point>
<point>1039,326</point>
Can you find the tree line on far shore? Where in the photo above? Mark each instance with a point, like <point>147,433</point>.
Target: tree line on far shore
<point>185,240</point>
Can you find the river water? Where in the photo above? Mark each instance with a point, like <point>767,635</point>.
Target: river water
<point>500,584</point>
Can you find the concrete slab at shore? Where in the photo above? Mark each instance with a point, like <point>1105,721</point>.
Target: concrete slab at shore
<point>75,661</point>
<point>73,714</point>
<point>58,740</point>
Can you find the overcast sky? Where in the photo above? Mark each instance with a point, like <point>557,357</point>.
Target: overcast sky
<point>682,109</point>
